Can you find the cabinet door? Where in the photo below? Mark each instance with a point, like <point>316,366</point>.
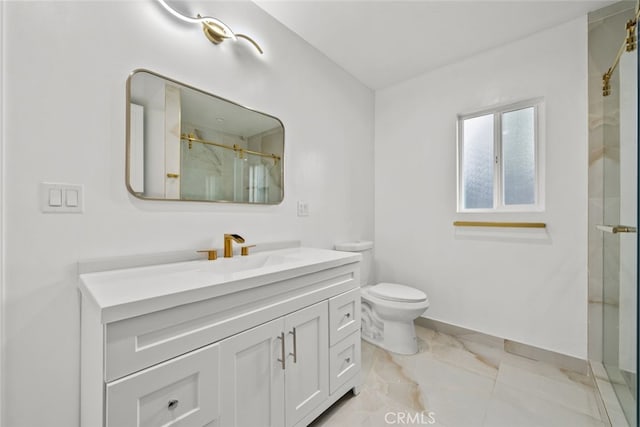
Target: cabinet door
<point>252,377</point>
<point>182,391</point>
<point>307,373</point>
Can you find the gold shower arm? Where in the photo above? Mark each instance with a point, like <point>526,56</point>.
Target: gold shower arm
<point>629,45</point>
<point>191,138</point>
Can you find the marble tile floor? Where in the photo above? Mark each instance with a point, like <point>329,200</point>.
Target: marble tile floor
<point>464,381</point>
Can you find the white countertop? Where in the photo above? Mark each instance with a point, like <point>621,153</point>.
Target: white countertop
<point>121,294</point>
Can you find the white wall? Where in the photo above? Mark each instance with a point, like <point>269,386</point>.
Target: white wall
<point>527,287</point>
<point>64,74</point>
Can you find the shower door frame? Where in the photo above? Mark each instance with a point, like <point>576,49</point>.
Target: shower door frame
<point>2,213</point>
<point>616,360</point>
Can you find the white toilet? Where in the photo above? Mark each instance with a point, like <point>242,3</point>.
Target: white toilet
<point>388,309</point>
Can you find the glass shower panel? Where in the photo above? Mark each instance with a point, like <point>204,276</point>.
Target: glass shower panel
<point>620,279</point>
<point>478,161</point>
<point>210,172</point>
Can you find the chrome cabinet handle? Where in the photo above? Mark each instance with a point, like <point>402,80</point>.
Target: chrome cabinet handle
<point>295,346</point>
<point>282,361</point>
<point>173,404</point>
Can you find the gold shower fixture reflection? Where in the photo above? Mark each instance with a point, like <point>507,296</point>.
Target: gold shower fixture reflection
<point>214,29</point>
<point>629,45</point>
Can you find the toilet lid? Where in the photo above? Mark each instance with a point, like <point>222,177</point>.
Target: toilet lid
<point>396,292</point>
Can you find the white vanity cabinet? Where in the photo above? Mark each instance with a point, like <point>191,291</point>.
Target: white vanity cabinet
<point>265,347</point>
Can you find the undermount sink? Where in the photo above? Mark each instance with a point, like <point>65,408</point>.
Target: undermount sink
<point>244,263</point>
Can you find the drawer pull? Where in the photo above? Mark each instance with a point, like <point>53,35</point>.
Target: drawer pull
<point>282,361</point>
<point>295,346</point>
<point>348,360</point>
<point>347,315</point>
<point>173,404</point>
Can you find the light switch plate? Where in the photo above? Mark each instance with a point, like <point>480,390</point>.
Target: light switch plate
<point>61,198</point>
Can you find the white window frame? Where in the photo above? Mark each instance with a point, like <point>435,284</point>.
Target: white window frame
<point>498,202</point>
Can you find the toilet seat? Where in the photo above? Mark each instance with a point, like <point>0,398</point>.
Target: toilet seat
<point>396,292</point>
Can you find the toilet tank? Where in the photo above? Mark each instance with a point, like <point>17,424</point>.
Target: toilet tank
<point>366,249</point>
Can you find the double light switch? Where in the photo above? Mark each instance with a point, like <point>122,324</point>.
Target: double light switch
<point>62,198</point>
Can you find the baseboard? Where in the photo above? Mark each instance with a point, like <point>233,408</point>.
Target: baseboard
<point>559,360</point>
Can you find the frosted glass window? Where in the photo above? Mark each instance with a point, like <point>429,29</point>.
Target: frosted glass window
<point>478,162</point>
<point>498,159</point>
<point>518,157</point>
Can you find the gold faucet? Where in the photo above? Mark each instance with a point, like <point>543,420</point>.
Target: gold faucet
<point>228,245</point>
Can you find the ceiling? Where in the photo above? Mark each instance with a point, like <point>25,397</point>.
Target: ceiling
<point>385,42</point>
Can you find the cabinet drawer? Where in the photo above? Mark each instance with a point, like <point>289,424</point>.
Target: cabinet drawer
<point>344,361</point>
<point>182,391</point>
<point>344,315</point>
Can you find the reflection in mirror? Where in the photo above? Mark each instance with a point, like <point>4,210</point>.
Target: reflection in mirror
<point>186,144</point>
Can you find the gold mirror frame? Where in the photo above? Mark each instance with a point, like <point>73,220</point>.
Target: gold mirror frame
<point>257,175</point>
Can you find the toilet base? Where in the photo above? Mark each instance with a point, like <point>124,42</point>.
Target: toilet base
<point>396,337</point>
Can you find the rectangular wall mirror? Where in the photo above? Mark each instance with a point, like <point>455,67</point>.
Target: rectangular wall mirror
<point>187,144</point>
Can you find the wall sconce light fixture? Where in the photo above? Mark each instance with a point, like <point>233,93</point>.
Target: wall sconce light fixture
<point>214,29</point>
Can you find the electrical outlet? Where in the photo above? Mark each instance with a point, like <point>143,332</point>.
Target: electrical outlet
<point>303,208</point>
